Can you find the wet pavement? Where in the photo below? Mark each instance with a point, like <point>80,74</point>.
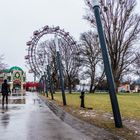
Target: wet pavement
<point>90,130</point>
<point>28,118</point>
<point>31,117</point>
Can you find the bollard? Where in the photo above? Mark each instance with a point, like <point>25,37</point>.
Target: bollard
<point>82,97</point>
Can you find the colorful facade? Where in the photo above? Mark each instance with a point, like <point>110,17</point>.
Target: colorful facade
<point>16,78</point>
<point>124,87</point>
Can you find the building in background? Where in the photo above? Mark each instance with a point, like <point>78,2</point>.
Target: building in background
<point>16,78</point>
<point>124,87</point>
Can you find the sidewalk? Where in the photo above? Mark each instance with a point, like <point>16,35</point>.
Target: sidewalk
<point>33,120</point>
<point>89,130</point>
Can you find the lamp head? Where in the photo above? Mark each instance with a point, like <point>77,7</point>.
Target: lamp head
<point>95,3</point>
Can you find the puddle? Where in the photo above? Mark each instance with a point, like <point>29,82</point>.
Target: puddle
<point>15,101</point>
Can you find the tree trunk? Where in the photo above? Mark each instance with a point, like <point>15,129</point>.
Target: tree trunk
<point>117,83</point>
<point>93,91</point>
<point>69,82</point>
<point>91,86</point>
<point>69,86</point>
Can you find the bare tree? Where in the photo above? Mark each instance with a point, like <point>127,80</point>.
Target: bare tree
<point>2,65</point>
<point>137,64</point>
<point>53,64</point>
<point>91,58</point>
<point>70,63</point>
<point>121,27</point>
<point>46,52</point>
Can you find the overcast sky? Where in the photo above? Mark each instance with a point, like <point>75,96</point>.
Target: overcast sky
<point>19,18</point>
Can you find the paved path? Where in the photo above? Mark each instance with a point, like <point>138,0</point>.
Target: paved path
<point>28,118</point>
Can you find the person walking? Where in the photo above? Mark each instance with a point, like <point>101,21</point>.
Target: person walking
<point>5,90</point>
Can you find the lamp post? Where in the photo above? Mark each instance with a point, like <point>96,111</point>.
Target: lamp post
<point>41,84</point>
<point>107,66</point>
<point>34,77</point>
<point>46,84</point>
<point>59,64</point>
<point>49,80</point>
<point>44,73</point>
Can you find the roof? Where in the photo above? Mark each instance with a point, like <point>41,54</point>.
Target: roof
<point>5,71</point>
<point>15,68</point>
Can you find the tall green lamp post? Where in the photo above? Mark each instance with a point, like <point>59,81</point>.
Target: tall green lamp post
<point>45,85</point>
<point>49,79</point>
<point>107,66</point>
<point>59,64</point>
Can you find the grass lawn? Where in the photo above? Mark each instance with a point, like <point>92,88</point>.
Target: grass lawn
<point>101,112</point>
<point>129,103</point>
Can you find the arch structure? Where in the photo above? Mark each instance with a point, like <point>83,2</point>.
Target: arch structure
<point>34,58</point>
<point>16,78</point>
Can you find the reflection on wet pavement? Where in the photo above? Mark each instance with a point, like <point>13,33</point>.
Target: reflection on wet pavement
<point>5,120</point>
<point>15,101</point>
<point>28,118</point>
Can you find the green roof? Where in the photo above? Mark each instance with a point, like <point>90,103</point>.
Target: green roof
<point>5,71</point>
<point>15,68</point>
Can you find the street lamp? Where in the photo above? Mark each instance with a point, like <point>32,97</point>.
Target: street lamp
<point>41,84</point>
<point>44,75</point>
<point>45,89</point>
<point>107,66</point>
<point>34,77</point>
<point>59,64</point>
<point>49,78</point>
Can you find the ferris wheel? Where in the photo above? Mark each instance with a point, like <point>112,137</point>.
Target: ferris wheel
<point>37,50</point>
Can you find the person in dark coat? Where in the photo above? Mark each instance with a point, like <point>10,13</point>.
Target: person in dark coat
<point>5,90</point>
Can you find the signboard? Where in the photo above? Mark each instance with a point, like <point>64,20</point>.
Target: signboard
<point>17,75</point>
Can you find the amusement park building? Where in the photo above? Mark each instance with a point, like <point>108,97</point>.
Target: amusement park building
<point>16,78</point>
